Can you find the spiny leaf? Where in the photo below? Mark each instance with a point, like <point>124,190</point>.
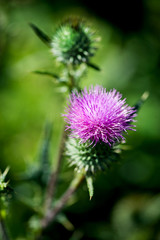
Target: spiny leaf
<point>89,181</point>
<point>143,98</point>
<point>44,38</point>
<point>40,174</point>
<point>92,65</point>
<point>4,174</point>
<point>47,73</point>
<point>44,152</point>
<point>62,218</point>
<point>50,75</point>
<point>4,187</point>
<point>44,166</point>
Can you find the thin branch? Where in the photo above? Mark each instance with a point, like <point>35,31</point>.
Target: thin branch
<point>63,200</point>
<point>54,175</point>
<point>3,230</point>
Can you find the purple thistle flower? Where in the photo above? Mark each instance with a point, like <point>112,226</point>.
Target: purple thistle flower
<point>98,116</point>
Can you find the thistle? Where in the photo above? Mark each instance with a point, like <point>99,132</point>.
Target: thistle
<point>98,121</point>
<point>73,42</point>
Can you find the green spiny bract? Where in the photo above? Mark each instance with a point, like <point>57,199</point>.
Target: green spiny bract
<point>73,42</point>
<point>5,189</point>
<point>88,159</point>
<point>3,183</point>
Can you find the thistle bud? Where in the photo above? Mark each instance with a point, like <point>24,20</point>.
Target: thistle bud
<point>88,159</point>
<point>73,42</point>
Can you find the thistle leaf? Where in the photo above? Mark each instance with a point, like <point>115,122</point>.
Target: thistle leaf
<point>143,98</point>
<point>40,174</point>
<point>50,75</point>
<point>44,38</point>
<point>4,187</point>
<point>62,218</point>
<point>44,166</point>
<point>3,176</point>
<point>92,65</point>
<point>89,181</point>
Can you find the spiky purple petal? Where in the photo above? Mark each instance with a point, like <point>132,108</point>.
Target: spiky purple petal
<point>98,116</point>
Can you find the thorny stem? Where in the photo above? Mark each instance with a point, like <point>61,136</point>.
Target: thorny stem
<point>63,200</point>
<point>51,188</point>
<point>54,175</point>
<point>3,230</point>
<point>71,77</point>
<point>51,213</point>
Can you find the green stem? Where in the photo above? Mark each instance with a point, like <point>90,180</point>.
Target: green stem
<point>51,213</point>
<point>3,230</point>
<point>51,188</point>
<point>63,200</point>
<point>71,77</point>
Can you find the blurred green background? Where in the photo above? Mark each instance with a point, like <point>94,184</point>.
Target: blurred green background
<point>126,203</point>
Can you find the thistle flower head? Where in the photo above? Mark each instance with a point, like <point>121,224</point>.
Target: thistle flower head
<point>73,42</point>
<point>98,116</point>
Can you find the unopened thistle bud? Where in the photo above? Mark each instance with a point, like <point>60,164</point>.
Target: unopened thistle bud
<point>73,42</point>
